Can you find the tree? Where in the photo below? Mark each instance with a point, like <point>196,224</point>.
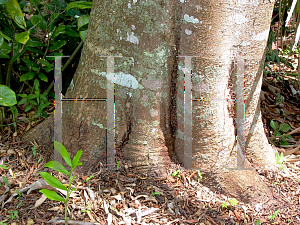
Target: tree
<point>144,46</point>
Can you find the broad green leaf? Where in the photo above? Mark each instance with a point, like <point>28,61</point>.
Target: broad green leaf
<point>39,21</point>
<point>274,125</point>
<point>76,158</point>
<point>83,34</point>
<point>3,1</point>
<point>28,76</point>
<point>52,195</point>
<point>71,32</point>
<point>58,167</point>
<point>284,127</point>
<point>51,180</point>
<point>57,45</point>
<point>83,21</point>
<point>7,96</point>
<point>43,77</point>
<point>35,43</point>
<point>62,150</point>
<point>60,30</point>
<point>80,5</point>
<point>14,10</point>
<point>5,36</point>
<point>277,133</point>
<point>22,101</point>
<point>28,107</point>
<point>284,143</point>
<point>22,37</point>
<point>4,50</point>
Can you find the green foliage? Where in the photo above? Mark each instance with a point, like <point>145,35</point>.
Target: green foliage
<point>233,202</point>
<point>13,214</point>
<point>118,165</point>
<point>200,176</point>
<point>274,215</point>
<point>3,222</point>
<point>155,193</point>
<point>279,160</point>
<point>176,173</point>
<point>224,205</point>
<point>281,130</point>
<point>54,182</point>
<point>7,97</point>
<point>257,222</point>
<point>34,150</point>
<point>90,177</point>
<point>28,34</point>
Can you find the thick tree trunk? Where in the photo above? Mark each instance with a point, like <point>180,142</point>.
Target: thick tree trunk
<point>151,40</point>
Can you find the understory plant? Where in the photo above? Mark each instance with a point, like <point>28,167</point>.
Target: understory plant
<point>54,182</point>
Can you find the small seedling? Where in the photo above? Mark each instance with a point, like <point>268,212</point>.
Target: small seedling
<point>233,202</point>
<point>40,160</point>
<point>3,222</point>
<point>118,165</point>
<point>274,215</point>
<point>90,177</point>
<point>54,182</point>
<point>257,222</point>
<point>19,194</point>
<point>14,214</point>
<point>5,180</point>
<point>155,193</point>
<point>279,160</point>
<point>3,167</point>
<point>176,173</point>
<point>85,210</point>
<point>224,205</point>
<point>34,150</point>
<point>200,176</point>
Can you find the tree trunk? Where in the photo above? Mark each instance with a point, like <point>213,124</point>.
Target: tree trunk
<point>150,41</point>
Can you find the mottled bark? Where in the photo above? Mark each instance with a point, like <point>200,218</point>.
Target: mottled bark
<point>150,38</point>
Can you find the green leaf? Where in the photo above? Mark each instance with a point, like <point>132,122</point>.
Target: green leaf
<point>83,35</point>
<point>60,30</point>
<point>4,50</point>
<point>22,37</point>
<point>284,127</point>
<point>5,180</point>
<point>14,10</point>
<point>35,43</point>
<point>277,133</point>
<point>274,125</point>
<point>28,107</point>
<point>7,96</point>
<point>28,76</point>
<point>76,158</point>
<point>82,22</point>
<point>3,1</point>
<point>51,180</point>
<point>40,21</point>
<point>31,96</point>
<point>58,167</point>
<point>43,77</point>
<point>71,32</point>
<point>5,36</point>
<point>62,150</point>
<point>57,45</point>
<point>52,195</point>
<point>284,143</point>
<point>80,5</point>
<point>22,101</point>
<point>1,40</point>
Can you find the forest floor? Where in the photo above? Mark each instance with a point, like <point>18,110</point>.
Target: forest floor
<point>126,196</point>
